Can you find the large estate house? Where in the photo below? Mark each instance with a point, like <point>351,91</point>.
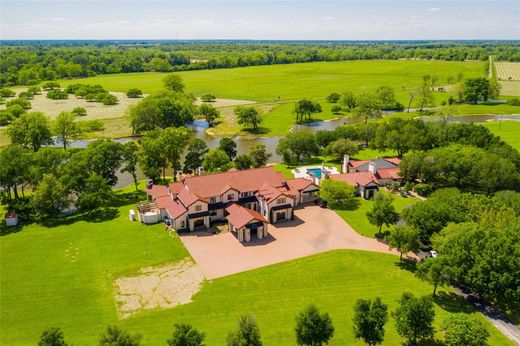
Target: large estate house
<point>248,200</point>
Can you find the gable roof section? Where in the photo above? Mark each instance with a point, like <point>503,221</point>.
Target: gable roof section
<point>388,173</point>
<point>173,207</point>
<point>188,198</point>
<point>355,178</point>
<point>158,191</point>
<point>240,216</point>
<point>299,184</point>
<point>269,193</point>
<point>176,187</point>
<point>248,180</point>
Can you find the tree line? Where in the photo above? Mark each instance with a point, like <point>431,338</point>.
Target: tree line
<point>28,63</point>
<point>413,317</point>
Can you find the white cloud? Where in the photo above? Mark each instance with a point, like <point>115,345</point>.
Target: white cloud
<point>434,9</point>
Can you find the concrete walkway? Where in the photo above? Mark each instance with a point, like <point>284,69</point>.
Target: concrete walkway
<point>312,231</point>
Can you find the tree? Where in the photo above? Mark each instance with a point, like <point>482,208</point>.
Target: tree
<point>313,328</point>
<point>304,109</point>
<point>50,197</point>
<point>57,94</point>
<point>411,97</point>
<point>151,157</point>
<point>50,85</point>
<point>104,158</point>
<point>434,271</point>
<point>6,92</point>
<point>335,109</point>
<point>115,336</point>
<point>52,337</point>
<point>259,155</point>
<point>15,163</point>
<point>338,194</point>
<point>25,103</point>
<point>173,82</point>
<point>32,130</point>
<point>246,334</point>
<point>209,113</point>
<point>296,145</point>
<point>134,93</point>
<point>131,160</point>
<point>369,320</point>
<point>348,99</point>
<point>414,318</point>
<point>79,111</point>
<point>208,98</point>
<point>425,94</point>
<point>173,142</point>
<point>382,212</point>
<point>228,146</point>
<point>462,329</point>
<point>216,160</point>
<point>386,97</point>
<point>194,157</point>
<point>186,335</point>
<point>404,239</point>
<point>368,107</point>
<point>341,147</point>
<point>243,162</point>
<point>109,100</point>
<point>96,193</point>
<point>248,116</point>
<point>66,129</point>
<point>333,98</point>
<point>476,89</point>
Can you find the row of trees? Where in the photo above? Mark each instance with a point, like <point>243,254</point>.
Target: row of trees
<point>414,319</point>
<point>28,63</point>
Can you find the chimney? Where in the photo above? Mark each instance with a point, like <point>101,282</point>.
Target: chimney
<point>201,170</point>
<point>344,167</point>
<point>372,167</point>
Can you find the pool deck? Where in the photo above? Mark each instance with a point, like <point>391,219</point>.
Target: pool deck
<point>301,172</point>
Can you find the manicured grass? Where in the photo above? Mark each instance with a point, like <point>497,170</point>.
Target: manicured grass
<point>509,131</point>
<point>358,219</point>
<point>482,109</point>
<point>294,81</point>
<point>63,275</point>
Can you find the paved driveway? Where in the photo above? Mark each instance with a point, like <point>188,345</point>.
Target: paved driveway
<point>312,231</point>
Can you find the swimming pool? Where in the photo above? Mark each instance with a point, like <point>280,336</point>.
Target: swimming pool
<point>315,171</point>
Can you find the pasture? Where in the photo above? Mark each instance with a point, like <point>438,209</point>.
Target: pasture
<point>295,81</point>
<point>508,74</point>
<point>63,275</point>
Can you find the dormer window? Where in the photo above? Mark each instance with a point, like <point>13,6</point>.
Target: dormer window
<point>231,196</point>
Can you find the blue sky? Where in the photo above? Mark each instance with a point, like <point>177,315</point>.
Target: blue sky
<point>300,20</point>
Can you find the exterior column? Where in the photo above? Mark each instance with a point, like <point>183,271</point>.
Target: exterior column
<point>259,233</point>
<point>247,234</point>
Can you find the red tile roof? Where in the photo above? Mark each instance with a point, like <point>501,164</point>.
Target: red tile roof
<point>244,181</point>
<point>394,160</point>
<point>269,193</point>
<point>388,173</point>
<point>173,207</point>
<point>355,164</point>
<point>355,178</point>
<point>158,191</point>
<point>240,216</point>
<point>176,188</point>
<point>188,198</point>
<point>299,184</point>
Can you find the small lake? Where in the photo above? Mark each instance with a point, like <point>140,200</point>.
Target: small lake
<point>244,144</point>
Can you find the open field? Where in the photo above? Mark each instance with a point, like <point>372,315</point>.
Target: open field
<point>95,110</point>
<point>509,131</point>
<point>358,219</point>
<point>294,81</point>
<point>64,276</point>
<point>507,70</point>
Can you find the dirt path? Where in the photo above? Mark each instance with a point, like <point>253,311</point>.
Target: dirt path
<point>159,287</point>
<point>314,230</point>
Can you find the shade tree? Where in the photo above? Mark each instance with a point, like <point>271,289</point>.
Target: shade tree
<point>186,335</point>
<point>414,318</point>
<point>313,328</point>
<point>246,332</point>
<point>369,320</point>
<point>382,211</point>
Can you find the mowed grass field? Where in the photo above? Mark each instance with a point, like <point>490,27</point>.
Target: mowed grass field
<point>509,131</point>
<point>294,81</point>
<point>63,276</point>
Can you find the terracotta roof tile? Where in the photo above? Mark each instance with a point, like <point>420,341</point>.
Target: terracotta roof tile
<point>158,191</point>
<point>240,216</point>
<point>188,198</point>
<point>388,173</point>
<point>176,188</point>
<point>173,207</point>
<point>355,178</point>
<point>299,183</point>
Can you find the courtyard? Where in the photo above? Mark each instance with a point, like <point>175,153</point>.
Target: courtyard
<point>313,230</point>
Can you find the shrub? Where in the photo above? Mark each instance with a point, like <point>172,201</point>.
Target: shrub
<point>16,110</point>
<point>134,93</point>
<point>336,109</point>
<point>26,95</point>
<point>50,86</point>
<point>24,103</point>
<point>338,194</point>
<point>5,117</point>
<point>36,90</point>
<point>515,101</point>
<point>56,94</point>
<point>208,98</point>
<point>110,99</point>
<point>424,189</point>
<point>91,125</point>
<point>333,98</point>
<point>79,111</point>
<point>5,92</point>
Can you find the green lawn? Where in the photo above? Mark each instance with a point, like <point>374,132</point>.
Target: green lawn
<point>509,131</point>
<point>295,81</point>
<point>358,218</point>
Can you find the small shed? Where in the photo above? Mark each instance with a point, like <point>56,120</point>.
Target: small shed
<point>11,219</point>
<point>131,215</point>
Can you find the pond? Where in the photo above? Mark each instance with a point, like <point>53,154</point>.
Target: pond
<point>244,144</point>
